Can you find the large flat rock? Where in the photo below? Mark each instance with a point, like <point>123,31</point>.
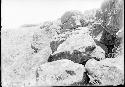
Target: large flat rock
<point>60,73</point>
<point>106,72</point>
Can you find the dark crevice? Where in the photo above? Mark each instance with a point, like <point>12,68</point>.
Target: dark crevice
<point>109,43</point>
<point>35,49</point>
<point>76,57</point>
<point>70,72</point>
<point>54,45</point>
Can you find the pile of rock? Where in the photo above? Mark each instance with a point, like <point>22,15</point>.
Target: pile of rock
<point>62,54</point>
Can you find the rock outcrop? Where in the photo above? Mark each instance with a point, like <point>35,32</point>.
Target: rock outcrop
<point>78,47</point>
<point>60,73</point>
<point>71,20</point>
<point>74,50</point>
<point>105,72</point>
<point>78,39</point>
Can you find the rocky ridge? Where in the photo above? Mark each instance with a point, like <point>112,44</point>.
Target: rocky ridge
<point>70,51</point>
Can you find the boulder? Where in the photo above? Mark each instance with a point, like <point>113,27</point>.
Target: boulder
<point>71,19</point>
<point>79,40</point>
<point>59,39</point>
<point>78,47</point>
<point>59,73</point>
<point>105,72</point>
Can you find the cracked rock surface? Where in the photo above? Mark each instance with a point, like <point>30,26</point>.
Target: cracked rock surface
<point>78,47</point>
<point>74,50</point>
<point>60,73</point>
<point>105,72</point>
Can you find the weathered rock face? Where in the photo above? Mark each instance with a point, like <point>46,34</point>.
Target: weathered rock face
<point>70,51</point>
<point>105,72</point>
<point>59,39</point>
<point>79,40</point>
<point>71,19</point>
<point>78,47</point>
<point>80,57</point>
<point>59,73</point>
<point>50,33</point>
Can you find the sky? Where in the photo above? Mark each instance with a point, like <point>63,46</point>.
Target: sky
<point>15,13</point>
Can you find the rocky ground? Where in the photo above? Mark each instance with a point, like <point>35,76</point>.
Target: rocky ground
<point>65,52</point>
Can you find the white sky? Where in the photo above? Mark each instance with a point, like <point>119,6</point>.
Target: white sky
<point>18,12</point>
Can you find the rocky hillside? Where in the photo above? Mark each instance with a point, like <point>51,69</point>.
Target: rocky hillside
<point>78,49</point>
